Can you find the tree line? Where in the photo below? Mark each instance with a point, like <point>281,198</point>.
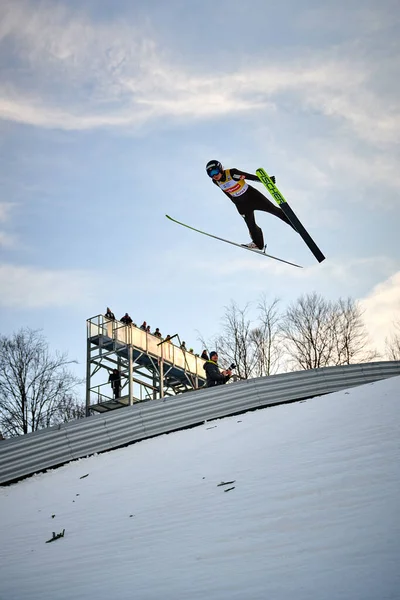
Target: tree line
<point>310,333</point>
<point>37,389</point>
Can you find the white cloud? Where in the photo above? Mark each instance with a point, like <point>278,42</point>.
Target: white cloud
<point>382,308</point>
<point>29,287</point>
<point>36,112</point>
<point>5,211</point>
<point>7,240</point>
<point>82,75</point>
<point>362,109</point>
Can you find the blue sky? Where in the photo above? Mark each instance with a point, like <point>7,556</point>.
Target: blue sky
<point>109,112</point>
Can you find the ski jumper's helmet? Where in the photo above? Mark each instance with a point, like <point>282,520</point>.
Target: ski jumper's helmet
<point>213,167</point>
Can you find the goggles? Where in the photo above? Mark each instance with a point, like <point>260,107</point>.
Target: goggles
<point>213,172</point>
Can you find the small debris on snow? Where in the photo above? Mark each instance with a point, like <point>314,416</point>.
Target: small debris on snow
<point>226,483</point>
<point>83,476</point>
<point>56,537</point>
<point>229,489</point>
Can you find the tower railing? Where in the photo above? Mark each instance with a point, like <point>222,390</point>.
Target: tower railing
<point>143,359</point>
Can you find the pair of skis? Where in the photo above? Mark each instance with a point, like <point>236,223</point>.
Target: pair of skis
<point>279,198</point>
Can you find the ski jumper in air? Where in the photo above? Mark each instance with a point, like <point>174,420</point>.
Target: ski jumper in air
<point>245,197</point>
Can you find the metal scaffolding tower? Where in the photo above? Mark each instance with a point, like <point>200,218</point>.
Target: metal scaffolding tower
<point>149,367</point>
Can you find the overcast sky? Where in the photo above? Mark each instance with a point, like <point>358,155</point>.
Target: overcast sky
<point>109,112</point>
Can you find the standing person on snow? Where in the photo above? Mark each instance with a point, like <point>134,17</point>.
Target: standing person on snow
<point>246,198</point>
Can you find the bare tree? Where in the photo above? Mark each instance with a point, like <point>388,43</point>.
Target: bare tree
<point>350,334</point>
<point>254,346</point>
<point>266,338</point>
<point>68,409</point>
<point>36,389</point>
<point>393,342</point>
<point>307,330</point>
<point>235,343</point>
<point>311,333</point>
<point>320,333</point>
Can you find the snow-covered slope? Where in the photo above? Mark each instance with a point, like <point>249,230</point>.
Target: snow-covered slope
<point>312,513</point>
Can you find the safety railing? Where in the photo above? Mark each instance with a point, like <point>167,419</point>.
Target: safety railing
<point>48,448</point>
<point>101,327</point>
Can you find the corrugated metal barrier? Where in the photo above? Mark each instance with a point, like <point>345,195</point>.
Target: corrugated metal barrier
<point>47,448</point>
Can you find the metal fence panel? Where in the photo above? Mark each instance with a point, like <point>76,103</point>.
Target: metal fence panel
<point>47,448</point>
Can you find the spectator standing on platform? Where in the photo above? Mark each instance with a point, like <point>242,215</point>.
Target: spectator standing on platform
<point>148,329</point>
<point>157,333</point>
<point>183,346</point>
<point>144,326</point>
<point>115,380</point>
<point>204,355</point>
<point>213,374</point>
<point>109,314</point>
<point>168,339</point>
<point>126,319</point>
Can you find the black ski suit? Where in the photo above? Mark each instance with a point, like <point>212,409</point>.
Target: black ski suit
<point>248,201</point>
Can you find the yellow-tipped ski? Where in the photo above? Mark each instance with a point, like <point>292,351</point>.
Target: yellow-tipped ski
<point>271,187</point>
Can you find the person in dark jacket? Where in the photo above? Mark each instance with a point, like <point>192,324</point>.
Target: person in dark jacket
<point>109,314</point>
<point>213,374</point>
<point>126,319</point>
<point>245,197</point>
<point>115,380</point>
